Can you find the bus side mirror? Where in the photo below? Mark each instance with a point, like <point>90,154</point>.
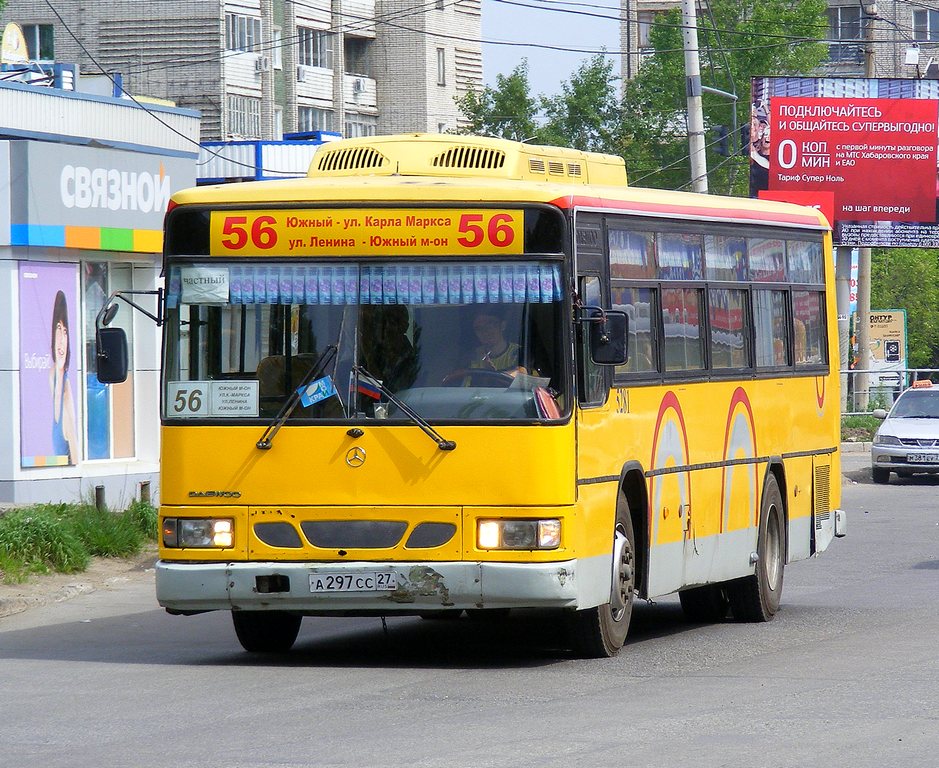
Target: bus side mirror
<point>111,357</point>
<point>609,331</point>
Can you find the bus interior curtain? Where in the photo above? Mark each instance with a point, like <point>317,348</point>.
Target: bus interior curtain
<point>455,283</point>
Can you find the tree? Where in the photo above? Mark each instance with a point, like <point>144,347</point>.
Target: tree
<point>507,111</point>
<point>738,41</point>
<point>908,278</point>
<point>586,114</point>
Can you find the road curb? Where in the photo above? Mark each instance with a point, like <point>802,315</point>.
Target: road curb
<point>859,447</point>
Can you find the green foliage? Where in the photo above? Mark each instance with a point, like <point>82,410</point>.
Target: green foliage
<point>859,428</point>
<point>586,114</point>
<point>743,47</point>
<point>908,278</point>
<point>37,540</point>
<point>64,537</point>
<point>507,111</point>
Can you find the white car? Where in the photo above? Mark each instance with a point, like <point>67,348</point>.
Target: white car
<point>908,440</point>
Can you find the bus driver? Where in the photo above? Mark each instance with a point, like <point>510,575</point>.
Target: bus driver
<point>494,352</point>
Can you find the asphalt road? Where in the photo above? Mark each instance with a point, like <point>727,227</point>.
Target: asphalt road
<point>846,675</point>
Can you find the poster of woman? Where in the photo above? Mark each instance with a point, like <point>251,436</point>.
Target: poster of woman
<point>49,362</point>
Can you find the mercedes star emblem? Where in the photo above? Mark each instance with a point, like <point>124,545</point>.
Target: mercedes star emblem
<point>355,457</point>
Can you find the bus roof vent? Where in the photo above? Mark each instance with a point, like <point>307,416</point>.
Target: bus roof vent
<point>466,157</point>
<point>345,159</point>
<point>470,157</point>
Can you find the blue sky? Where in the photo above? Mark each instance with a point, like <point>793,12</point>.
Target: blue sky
<point>546,68</point>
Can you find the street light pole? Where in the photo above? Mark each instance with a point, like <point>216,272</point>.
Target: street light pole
<point>862,380</point>
<point>699,170</point>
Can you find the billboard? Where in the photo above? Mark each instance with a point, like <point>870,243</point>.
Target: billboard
<point>863,150</point>
<point>887,353</point>
<point>50,359</point>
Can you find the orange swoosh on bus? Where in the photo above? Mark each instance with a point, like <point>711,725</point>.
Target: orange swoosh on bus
<point>739,398</point>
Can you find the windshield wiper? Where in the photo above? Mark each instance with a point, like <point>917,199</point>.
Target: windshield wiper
<point>316,370</point>
<point>442,444</point>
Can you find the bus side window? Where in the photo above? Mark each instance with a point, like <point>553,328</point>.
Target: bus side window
<point>593,379</point>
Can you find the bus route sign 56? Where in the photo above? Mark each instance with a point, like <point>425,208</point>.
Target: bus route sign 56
<point>373,232</point>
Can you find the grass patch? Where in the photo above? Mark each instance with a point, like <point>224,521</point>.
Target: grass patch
<point>64,537</point>
<point>859,429</point>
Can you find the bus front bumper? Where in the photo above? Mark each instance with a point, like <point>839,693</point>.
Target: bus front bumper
<point>346,588</point>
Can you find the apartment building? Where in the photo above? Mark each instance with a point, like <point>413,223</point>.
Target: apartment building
<point>895,28</point>
<point>256,69</point>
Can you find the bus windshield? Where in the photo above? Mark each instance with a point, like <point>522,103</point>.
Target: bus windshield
<point>453,341</point>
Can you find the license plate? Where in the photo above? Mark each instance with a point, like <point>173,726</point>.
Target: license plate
<point>354,581</point>
<point>922,458</point>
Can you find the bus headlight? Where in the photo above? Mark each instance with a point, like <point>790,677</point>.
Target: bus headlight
<point>518,534</point>
<point>198,532</point>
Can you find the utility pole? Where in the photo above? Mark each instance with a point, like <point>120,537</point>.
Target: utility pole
<point>699,169</point>
<point>862,380</point>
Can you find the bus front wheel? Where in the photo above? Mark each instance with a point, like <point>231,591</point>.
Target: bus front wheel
<point>601,631</point>
<point>266,631</point>
<point>756,597</point>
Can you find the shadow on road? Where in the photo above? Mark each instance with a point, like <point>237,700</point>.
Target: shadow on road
<point>520,640</point>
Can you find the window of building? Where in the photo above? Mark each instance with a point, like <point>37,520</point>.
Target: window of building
<point>316,47</point>
<point>109,408</point>
<point>277,50</point>
<point>315,119</point>
<point>360,125</point>
<point>441,66</point>
<point>244,116</point>
<point>357,59</point>
<point>925,24</point>
<point>242,33</point>
<point>40,41</point>
<point>644,27</point>
<point>844,24</point>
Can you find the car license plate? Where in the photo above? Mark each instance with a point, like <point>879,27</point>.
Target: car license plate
<point>922,458</point>
<point>354,581</point>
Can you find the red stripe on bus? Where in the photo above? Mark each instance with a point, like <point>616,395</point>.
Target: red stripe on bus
<point>687,211</point>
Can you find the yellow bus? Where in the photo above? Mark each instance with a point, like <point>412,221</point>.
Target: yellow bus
<point>449,373</point>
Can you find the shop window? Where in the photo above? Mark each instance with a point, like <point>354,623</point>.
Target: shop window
<point>109,408</point>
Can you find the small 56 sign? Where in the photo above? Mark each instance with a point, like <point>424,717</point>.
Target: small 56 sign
<point>187,398</point>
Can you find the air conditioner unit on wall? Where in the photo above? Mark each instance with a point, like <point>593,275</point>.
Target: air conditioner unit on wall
<point>358,85</point>
<point>301,74</point>
<point>262,64</point>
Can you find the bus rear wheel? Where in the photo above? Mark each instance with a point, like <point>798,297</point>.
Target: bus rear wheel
<point>600,632</point>
<point>266,631</point>
<point>756,597</point>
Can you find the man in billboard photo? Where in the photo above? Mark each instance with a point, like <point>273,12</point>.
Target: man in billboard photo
<point>759,148</point>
